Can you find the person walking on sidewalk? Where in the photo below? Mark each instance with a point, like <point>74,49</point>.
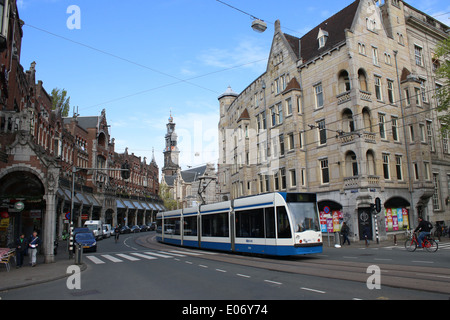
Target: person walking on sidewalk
<point>21,248</point>
<point>345,230</point>
<point>33,245</point>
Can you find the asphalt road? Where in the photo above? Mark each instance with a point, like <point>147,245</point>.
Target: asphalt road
<point>146,270</point>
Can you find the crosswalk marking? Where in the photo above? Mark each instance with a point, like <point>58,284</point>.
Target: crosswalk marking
<point>143,256</point>
<point>158,255</point>
<point>148,255</point>
<point>187,252</point>
<point>95,260</point>
<point>173,254</point>
<point>111,258</point>
<point>125,256</point>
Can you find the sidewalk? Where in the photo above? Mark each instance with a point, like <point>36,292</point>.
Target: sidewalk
<point>41,273</point>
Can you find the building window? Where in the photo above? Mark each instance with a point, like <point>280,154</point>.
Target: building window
<point>362,48</point>
<point>293,177</point>
<point>395,129</point>
<point>423,90</point>
<point>418,55</point>
<point>445,143</point>
<point>274,116</point>
<point>416,171</point>
<point>351,164</point>
<point>281,144</point>
<point>280,113</point>
<point>387,58</point>
<point>381,125</point>
<point>407,97</point>
<point>398,167</point>
<point>430,135</point>
<point>417,93</point>
<point>427,170</point>
<point>436,194</point>
<point>291,144</point>
<point>386,166</point>
<point>391,95</point>
<point>283,178</point>
<point>378,91</point>
<point>322,131</point>
<point>289,106</point>
<point>324,171</point>
<point>319,96</point>
<point>375,56</point>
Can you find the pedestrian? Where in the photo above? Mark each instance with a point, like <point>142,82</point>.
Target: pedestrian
<point>345,230</point>
<point>21,248</point>
<point>33,245</point>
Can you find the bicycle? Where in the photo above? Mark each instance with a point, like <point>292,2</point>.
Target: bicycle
<point>428,243</point>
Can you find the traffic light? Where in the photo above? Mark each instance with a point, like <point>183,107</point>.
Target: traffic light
<point>126,173</point>
<point>378,205</point>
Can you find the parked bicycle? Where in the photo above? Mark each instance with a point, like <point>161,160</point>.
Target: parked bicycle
<point>428,243</point>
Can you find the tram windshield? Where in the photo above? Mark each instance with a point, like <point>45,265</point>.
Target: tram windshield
<point>304,216</point>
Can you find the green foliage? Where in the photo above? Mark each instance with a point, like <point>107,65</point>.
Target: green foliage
<point>443,94</point>
<point>61,100</point>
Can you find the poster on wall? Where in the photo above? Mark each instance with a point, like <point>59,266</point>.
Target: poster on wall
<point>396,219</point>
<point>331,222</point>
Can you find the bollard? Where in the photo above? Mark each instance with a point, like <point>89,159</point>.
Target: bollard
<point>337,240</point>
<point>395,240</point>
<point>78,254</point>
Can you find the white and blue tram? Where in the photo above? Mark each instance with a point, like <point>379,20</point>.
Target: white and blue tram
<point>280,224</point>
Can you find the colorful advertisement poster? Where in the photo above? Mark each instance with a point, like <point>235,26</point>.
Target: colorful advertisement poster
<point>331,222</point>
<point>396,219</point>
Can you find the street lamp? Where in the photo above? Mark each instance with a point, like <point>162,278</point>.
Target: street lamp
<point>259,25</point>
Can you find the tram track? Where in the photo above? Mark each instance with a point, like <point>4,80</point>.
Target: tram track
<point>424,278</point>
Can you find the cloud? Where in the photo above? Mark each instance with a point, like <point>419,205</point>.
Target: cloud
<point>248,53</point>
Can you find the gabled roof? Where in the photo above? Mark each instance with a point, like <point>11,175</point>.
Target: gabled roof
<point>334,26</point>
<point>244,115</point>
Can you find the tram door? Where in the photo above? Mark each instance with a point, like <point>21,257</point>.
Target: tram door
<point>232,230</point>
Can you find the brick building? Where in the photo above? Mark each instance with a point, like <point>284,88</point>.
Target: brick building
<point>347,111</point>
<point>39,148</point>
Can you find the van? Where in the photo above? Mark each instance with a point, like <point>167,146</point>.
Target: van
<point>96,226</point>
<point>106,230</point>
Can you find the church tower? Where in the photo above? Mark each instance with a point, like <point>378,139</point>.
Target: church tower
<point>171,152</point>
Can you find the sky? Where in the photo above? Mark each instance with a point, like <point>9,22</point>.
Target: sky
<point>142,60</point>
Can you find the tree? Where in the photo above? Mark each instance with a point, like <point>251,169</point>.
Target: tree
<point>443,94</point>
<point>61,100</point>
<point>164,193</point>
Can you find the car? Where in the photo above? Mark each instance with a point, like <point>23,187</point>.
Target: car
<point>152,226</point>
<point>135,229</point>
<point>144,228</point>
<point>81,230</point>
<point>107,230</point>
<point>125,229</point>
<point>87,240</point>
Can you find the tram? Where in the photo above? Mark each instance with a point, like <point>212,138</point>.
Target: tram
<point>278,224</point>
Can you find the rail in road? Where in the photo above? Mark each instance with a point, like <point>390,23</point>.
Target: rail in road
<point>427,278</point>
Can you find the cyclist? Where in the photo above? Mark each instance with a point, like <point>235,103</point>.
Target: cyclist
<point>424,229</point>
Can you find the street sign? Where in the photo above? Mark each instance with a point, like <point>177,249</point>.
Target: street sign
<point>67,216</point>
<point>326,209</point>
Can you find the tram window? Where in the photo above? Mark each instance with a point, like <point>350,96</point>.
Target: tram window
<point>270,222</point>
<point>284,229</point>
<point>159,226</point>
<point>190,226</point>
<point>215,225</point>
<point>250,224</point>
<point>172,226</point>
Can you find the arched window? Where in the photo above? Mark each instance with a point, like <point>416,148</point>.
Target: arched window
<point>367,120</point>
<point>370,161</point>
<point>362,78</point>
<point>344,81</point>
<point>351,165</point>
<point>348,125</point>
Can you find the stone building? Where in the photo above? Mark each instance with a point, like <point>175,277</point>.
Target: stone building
<point>347,111</point>
<point>190,187</point>
<point>39,149</point>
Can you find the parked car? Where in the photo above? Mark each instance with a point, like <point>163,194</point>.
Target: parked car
<point>87,240</point>
<point>107,230</point>
<point>143,228</point>
<point>125,229</point>
<point>135,229</point>
<point>152,226</point>
<point>80,230</point>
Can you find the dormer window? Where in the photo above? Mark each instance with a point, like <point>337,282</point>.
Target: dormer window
<point>322,37</point>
